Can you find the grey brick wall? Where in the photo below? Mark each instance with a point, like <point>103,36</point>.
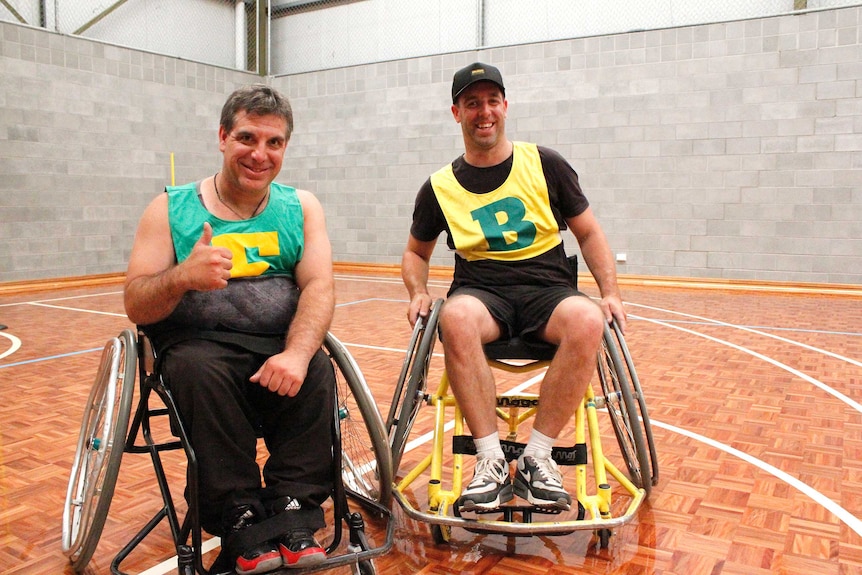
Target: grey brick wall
<point>86,135</point>
<point>730,150</point>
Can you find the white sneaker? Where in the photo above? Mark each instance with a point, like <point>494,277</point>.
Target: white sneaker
<point>490,487</point>
<point>539,482</point>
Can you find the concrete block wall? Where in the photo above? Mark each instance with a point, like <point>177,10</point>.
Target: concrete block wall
<point>729,150</point>
<point>86,136</point>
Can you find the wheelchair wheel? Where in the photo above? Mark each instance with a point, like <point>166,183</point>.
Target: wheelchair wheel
<point>101,442</point>
<point>621,405</point>
<point>416,364</point>
<point>641,403</point>
<point>366,467</point>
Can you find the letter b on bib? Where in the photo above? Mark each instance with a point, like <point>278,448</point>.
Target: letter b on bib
<point>504,226</point>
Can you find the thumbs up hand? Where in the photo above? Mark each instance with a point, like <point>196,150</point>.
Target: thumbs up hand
<point>208,267</point>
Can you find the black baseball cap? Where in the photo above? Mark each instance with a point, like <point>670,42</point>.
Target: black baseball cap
<point>475,72</point>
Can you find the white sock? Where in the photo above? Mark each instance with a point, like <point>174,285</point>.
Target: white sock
<point>489,447</point>
<point>539,445</point>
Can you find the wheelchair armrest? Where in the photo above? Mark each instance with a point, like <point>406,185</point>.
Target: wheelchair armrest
<point>516,348</point>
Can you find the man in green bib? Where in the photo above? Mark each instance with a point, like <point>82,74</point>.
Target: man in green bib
<point>231,278</point>
<point>503,205</point>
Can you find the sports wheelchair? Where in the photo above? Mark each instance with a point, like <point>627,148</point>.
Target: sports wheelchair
<point>621,397</point>
<point>361,463</point>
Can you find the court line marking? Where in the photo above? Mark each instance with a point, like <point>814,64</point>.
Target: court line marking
<point>66,308</point>
<point>842,514</point>
<point>845,516</point>
<point>48,357</point>
<point>171,563</point>
<point>824,501</point>
<point>16,343</point>
<point>759,332</point>
<point>836,509</point>
<point>817,383</point>
<point>64,298</point>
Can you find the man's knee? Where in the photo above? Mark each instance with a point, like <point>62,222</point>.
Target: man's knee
<point>577,321</point>
<point>465,316</point>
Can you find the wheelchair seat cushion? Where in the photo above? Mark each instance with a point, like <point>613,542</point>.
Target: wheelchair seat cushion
<point>517,348</point>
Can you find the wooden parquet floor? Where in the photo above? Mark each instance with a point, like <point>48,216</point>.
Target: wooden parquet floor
<point>754,399</point>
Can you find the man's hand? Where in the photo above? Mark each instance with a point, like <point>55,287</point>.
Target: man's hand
<point>207,267</point>
<point>612,307</point>
<point>282,373</point>
<point>420,306</point>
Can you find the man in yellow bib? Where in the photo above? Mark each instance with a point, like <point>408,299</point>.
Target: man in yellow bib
<point>231,278</point>
<point>503,205</point>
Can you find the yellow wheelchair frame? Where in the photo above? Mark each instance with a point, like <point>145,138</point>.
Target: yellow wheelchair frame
<point>621,397</point>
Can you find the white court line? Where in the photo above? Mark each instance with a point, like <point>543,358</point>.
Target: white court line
<point>16,343</point>
<point>852,522</point>
<point>756,331</point>
<point>63,298</point>
<point>845,516</point>
<point>842,514</point>
<point>393,280</point>
<point>831,391</point>
<point>171,564</point>
<point>39,304</point>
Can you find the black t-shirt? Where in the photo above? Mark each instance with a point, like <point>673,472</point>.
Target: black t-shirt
<point>566,198</point>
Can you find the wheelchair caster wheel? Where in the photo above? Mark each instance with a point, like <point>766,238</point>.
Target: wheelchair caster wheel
<point>441,534</point>
<point>363,568</point>
<point>604,536</point>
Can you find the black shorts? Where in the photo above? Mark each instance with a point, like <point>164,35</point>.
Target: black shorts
<point>520,310</point>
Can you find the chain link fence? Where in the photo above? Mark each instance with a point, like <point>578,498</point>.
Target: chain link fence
<point>277,37</point>
<point>219,32</point>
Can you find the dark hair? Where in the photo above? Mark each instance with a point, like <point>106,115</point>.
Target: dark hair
<point>257,100</point>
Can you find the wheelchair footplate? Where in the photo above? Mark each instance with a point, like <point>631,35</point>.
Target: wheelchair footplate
<point>507,525</point>
<point>517,518</point>
<point>526,511</point>
<point>523,514</point>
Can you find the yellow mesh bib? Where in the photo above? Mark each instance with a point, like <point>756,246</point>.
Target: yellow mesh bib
<point>514,222</point>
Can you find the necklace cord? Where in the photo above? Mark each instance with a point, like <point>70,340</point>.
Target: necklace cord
<point>228,206</point>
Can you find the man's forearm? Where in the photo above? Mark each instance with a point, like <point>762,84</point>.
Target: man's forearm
<point>312,320</point>
<point>414,273</point>
<point>151,298</point>
<point>599,260</point>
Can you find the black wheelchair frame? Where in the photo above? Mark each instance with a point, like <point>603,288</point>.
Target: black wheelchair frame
<point>361,461</point>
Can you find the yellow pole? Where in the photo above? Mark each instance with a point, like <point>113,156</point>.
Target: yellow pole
<point>172,169</point>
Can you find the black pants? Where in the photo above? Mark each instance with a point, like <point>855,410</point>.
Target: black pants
<point>224,414</point>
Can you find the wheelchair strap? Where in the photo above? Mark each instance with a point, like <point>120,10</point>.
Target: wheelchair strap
<point>270,529</point>
<point>263,344</point>
<point>574,455</point>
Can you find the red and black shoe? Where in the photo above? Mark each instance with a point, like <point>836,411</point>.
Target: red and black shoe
<point>299,548</point>
<point>259,559</point>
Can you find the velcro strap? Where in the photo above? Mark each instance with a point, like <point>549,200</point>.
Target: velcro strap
<point>235,544</point>
<point>574,455</point>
